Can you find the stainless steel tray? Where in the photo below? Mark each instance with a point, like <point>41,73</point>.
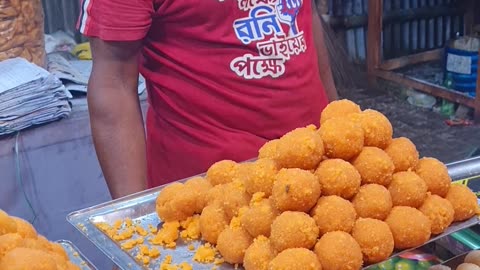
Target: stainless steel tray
<point>140,208</point>
<point>76,256</point>
<point>455,261</point>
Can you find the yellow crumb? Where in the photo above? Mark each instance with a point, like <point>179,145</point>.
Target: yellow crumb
<point>124,235</point>
<point>146,260</point>
<point>184,224</point>
<point>140,230</point>
<point>152,228</point>
<point>117,224</point>
<point>106,228</point>
<point>205,254</point>
<point>103,226</point>
<point>167,264</point>
<point>75,254</point>
<point>235,223</point>
<point>185,266</point>
<point>191,228</point>
<point>128,222</point>
<point>257,198</point>
<point>154,253</point>
<point>218,261</point>
<point>168,267</point>
<point>167,235</point>
<point>140,240</point>
<point>191,247</point>
<point>83,263</point>
<point>143,249</point>
<point>128,245</point>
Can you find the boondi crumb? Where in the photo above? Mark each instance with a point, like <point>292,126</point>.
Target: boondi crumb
<point>205,254</point>
<point>143,249</point>
<point>124,235</point>
<point>128,244</point>
<point>191,228</point>
<point>140,230</point>
<point>167,235</point>
<point>185,266</point>
<point>152,228</point>
<point>118,224</point>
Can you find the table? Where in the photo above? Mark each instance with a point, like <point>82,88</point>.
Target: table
<point>60,173</point>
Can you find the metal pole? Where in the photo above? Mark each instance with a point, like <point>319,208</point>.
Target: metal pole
<point>464,169</point>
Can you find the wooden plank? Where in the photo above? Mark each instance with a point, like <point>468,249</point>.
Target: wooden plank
<point>412,59</point>
<point>477,97</point>
<point>374,39</point>
<point>469,17</point>
<point>476,29</point>
<point>426,87</point>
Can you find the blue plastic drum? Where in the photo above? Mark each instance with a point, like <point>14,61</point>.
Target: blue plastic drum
<point>461,69</point>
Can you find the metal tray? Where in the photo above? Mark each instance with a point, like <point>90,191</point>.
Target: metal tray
<point>140,208</point>
<point>76,256</point>
<point>455,261</point>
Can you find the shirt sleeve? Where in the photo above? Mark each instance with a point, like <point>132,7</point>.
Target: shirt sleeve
<point>116,20</point>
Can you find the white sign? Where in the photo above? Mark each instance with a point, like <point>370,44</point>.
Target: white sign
<point>459,64</point>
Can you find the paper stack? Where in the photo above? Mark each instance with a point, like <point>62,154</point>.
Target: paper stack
<point>29,95</point>
<point>75,73</point>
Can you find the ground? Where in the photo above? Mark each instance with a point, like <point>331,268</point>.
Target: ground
<point>427,129</point>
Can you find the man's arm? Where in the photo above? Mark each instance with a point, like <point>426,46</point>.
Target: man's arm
<point>323,58</point>
<point>116,117</point>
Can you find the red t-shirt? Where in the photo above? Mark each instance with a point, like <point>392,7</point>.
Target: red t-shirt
<point>223,76</point>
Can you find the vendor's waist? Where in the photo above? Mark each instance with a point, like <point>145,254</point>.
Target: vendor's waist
<point>265,115</point>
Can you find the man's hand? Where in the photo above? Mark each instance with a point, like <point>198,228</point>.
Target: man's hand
<point>116,117</point>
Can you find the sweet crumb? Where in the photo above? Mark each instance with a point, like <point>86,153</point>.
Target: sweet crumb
<point>128,222</point>
<point>167,235</point>
<point>218,261</point>
<point>152,228</point>
<point>205,254</point>
<point>191,228</point>
<point>118,224</point>
<point>128,244</point>
<point>140,230</point>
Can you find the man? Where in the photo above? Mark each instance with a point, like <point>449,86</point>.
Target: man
<point>223,77</point>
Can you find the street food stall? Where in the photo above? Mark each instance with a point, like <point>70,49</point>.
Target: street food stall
<point>141,208</point>
<point>311,177</point>
<point>157,228</point>
<point>346,193</point>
